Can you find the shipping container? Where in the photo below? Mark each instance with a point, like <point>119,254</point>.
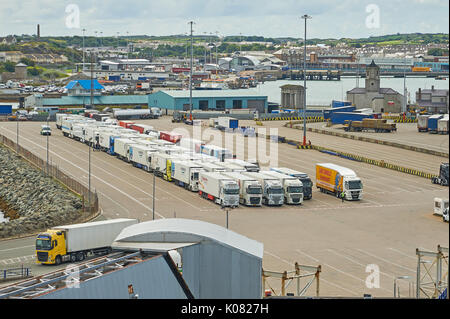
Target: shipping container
<point>327,113</point>
<point>341,117</point>
<point>335,104</point>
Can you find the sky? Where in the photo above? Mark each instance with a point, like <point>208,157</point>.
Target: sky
<point>268,18</point>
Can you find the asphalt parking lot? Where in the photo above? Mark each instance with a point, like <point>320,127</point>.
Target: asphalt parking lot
<point>384,229</point>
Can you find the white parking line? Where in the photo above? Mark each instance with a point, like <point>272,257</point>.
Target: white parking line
<point>402,253</point>
<point>356,262</point>
<point>386,261</point>
<point>338,270</point>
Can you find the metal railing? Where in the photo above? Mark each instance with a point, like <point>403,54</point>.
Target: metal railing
<point>14,273</point>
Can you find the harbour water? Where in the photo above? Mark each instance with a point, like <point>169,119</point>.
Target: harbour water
<point>323,92</point>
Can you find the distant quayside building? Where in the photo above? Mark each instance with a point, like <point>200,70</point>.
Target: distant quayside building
<point>208,100</point>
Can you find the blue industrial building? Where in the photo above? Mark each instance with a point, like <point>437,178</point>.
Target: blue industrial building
<point>212,100</point>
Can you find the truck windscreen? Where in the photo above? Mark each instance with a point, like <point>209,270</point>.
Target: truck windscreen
<point>254,190</point>
<point>354,185</point>
<point>276,190</point>
<point>231,191</point>
<point>295,189</point>
<point>306,182</point>
<point>43,244</point>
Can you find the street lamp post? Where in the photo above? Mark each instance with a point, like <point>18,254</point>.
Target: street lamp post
<point>89,173</point>
<point>190,75</point>
<point>48,118</point>
<point>154,180</point>
<point>306,17</point>
<point>17,133</point>
<point>82,67</point>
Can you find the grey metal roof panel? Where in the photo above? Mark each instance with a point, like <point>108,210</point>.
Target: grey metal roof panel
<point>188,230</point>
<point>213,93</point>
<point>149,247</point>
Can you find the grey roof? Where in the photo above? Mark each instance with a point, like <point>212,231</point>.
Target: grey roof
<point>381,91</point>
<point>435,92</point>
<point>213,93</point>
<point>388,91</point>
<point>178,230</point>
<point>357,91</point>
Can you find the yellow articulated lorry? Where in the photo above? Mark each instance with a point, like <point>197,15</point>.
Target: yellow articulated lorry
<point>76,242</point>
<point>335,179</point>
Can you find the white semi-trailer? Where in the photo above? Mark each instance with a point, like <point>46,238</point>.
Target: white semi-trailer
<point>292,187</point>
<point>192,144</point>
<point>211,167</point>
<point>140,156</point>
<point>186,173</point>
<point>249,167</point>
<point>231,167</point>
<point>250,190</point>
<point>219,188</point>
<point>160,164</point>
<point>272,188</point>
<point>121,147</point>
<point>75,242</point>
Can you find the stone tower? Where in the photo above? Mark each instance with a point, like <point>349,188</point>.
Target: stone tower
<point>373,78</point>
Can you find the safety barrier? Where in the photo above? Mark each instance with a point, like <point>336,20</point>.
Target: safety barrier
<point>309,119</point>
<point>371,140</point>
<point>353,157</point>
<point>401,120</point>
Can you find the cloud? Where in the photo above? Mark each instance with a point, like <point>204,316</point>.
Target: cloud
<point>330,19</point>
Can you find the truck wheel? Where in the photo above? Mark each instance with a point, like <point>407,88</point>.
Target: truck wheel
<point>58,260</point>
<point>80,256</point>
<point>73,258</point>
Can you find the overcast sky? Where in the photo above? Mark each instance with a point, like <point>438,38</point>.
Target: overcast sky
<point>269,18</point>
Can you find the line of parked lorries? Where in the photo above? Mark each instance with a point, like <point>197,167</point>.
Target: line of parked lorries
<point>437,123</point>
<point>212,171</point>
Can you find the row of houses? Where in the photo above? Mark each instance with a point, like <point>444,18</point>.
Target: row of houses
<point>16,56</point>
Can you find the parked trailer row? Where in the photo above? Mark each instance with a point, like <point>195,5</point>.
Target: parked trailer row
<point>437,123</point>
<point>225,181</point>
